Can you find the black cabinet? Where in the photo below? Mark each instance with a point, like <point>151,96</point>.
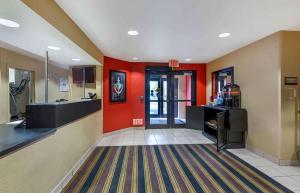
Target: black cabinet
<point>225,126</point>
<point>194,117</point>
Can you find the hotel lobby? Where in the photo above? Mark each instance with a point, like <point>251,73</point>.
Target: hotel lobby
<point>139,96</point>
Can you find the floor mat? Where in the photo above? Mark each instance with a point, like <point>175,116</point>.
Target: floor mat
<point>168,168</point>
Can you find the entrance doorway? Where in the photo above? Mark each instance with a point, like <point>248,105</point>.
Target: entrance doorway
<point>167,95</point>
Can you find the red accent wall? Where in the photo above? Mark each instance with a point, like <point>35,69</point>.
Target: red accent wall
<point>118,116</point>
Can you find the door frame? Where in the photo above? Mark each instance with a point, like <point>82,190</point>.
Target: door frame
<point>170,108</point>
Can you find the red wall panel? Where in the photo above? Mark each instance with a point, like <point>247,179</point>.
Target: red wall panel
<point>118,116</point>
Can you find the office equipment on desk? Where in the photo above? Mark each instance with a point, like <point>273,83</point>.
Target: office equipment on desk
<point>231,94</point>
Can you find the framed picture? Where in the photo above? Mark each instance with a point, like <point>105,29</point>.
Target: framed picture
<point>117,86</point>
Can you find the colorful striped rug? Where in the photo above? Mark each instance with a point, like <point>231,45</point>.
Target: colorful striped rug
<point>168,168</point>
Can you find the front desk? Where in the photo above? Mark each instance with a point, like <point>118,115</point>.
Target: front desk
<point>54,115</point>
<point>37,159</point>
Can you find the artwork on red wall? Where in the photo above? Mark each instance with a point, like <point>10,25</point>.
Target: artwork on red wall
<point>117,86</point>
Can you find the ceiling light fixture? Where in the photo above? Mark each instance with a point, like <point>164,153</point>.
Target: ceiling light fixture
<point>224,35</point>
<point>9,23</point>
<point>54,48</point>
<point>135,59</point>
<point>133,33</point>
<point>188,60</point>
<point>76,59</point>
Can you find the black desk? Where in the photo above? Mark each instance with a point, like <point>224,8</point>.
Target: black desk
<point>53,115</point>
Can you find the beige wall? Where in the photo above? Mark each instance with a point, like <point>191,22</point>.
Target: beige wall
<point>257,71</point>
<point>290,67</point>
<point>55,155</point>
<point>12,59</point>
<point>39,167</point>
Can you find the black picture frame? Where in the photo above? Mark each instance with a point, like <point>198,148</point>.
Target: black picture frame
<point>117,93</point>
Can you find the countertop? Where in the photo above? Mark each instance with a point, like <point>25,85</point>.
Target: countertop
<point>43,119</point>
<point>12,139</point>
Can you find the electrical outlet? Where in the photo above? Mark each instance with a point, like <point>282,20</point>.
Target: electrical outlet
<point>137,122</point>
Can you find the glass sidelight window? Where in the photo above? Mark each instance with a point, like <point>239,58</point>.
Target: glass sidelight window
<point>182,96</point>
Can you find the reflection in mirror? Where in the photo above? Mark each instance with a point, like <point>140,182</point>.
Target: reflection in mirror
<point>20,92</point>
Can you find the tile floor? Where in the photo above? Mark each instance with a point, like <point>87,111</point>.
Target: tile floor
<point>289,176</point>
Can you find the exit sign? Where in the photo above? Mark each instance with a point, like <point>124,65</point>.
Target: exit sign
<point>173,63</point>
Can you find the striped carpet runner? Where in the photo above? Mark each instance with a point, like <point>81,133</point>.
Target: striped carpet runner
<point>168,168</point>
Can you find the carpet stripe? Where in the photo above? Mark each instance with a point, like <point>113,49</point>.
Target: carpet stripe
<point>262,183</point>
<point>123,173</point>
<point>129,171</point>
<point>116,175</point>
<point>101,177</point>
<point>161,183</point>
<point>269,180</point>
<point>93,173</point>
<point>134,185</point>
<point>148,183</point>
<point>194,182</point>
<point>224,173</point>
<point>110,172</point>
<point>82,173</point>
<point>237,173</point>
<point>152,171</point>
<point>100,171</point>
<point>181,179</point>
<point>214,175</point>
<point>199,173</point>
<point>163,170</point>
<point>258,176</point>
<point>169,169</point>
<point>201,168</point>
<point>141,179</point>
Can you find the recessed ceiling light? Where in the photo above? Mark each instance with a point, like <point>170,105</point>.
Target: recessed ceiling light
<point>188,60</point>
<point>133,33</point>
<point>54,48</point>
<point>9,23</point>
<point>224,35</point>
<point>76,59</point>
<point>135,59</point>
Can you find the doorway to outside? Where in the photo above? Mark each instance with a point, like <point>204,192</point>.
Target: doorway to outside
<point>168,93</point>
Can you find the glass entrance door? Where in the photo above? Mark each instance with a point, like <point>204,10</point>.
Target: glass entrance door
<point>168,93</point>
<point>158,97</point>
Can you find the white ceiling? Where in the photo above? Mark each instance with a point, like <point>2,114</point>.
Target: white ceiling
<point>35,34</point>
<point>179,28</point>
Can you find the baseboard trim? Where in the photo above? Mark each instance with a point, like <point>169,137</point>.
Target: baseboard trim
<point>123,130</point>
<point>262,154</point>
<point>273,158</point>
<point>65,180</point>
<point>289,162</point>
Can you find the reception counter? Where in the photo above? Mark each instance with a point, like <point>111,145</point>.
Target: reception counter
<point>53,115</point>
<point>39,159</point>
<point>43,120</point>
